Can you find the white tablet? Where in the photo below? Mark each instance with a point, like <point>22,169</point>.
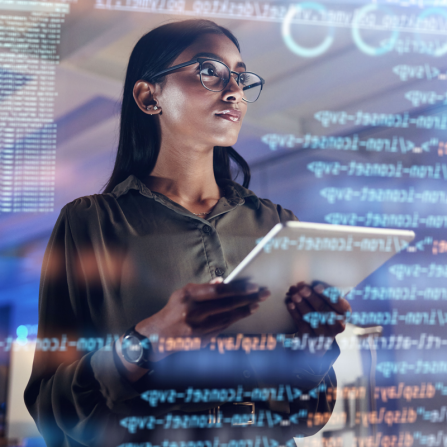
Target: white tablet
<point>338,255</point>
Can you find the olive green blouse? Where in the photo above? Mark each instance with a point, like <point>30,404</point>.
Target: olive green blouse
<point>113,260</point>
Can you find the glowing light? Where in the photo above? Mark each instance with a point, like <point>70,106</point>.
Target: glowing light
<point>22,334</point>
<point>433,11</point>
<point>22,331</point>
<point>368,49</point>
<point>290,42</point>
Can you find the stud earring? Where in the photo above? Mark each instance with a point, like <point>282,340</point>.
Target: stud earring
<point>148,108</point>
<point>155,107</point>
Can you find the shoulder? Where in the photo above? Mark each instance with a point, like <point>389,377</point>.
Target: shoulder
<point>101,207</point>
<point>262,205</point>
<point>88,216</point>
<point>89,206</point>
<point>283,213</point>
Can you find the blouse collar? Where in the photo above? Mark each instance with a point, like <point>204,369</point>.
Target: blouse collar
<point>234,192</point>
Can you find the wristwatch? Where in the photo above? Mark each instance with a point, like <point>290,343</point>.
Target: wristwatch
<point>136,348</point>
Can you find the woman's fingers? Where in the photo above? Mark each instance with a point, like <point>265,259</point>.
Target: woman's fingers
<point>303,307</point>
<point>323,303</point>
<point>217,323</point>
<point>302,326</point>
<point>206,292</point>
<point>293,289</point>
<point>340,306</point>
<point>325,320</point>
<point>323,316</point>
<point>201,311</point>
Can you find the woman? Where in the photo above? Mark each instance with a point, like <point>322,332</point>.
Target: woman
<point>147,256</point>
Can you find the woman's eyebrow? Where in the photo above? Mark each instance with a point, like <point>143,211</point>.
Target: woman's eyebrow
<point>215,56</point>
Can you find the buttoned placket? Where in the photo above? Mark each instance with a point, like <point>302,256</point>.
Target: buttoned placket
<point>212,246</point>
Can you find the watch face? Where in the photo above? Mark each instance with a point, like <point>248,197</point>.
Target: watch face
<point>132,349</point>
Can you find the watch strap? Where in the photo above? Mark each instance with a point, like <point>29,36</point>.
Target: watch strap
<point>146,346</point>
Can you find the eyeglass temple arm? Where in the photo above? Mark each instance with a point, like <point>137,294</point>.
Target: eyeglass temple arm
<point>175,67</point>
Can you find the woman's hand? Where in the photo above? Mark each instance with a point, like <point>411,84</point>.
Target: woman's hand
<point>198,310</point>
<point>303,299</point>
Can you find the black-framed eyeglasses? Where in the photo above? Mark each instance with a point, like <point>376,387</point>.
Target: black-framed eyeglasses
<point>215,76</point>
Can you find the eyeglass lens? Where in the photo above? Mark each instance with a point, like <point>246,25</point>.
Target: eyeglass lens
<point>215,76</point>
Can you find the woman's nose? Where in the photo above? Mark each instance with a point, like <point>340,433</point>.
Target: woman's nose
<point>233,88</point>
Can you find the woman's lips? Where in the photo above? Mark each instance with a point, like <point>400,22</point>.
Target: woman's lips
<point>230,115</point>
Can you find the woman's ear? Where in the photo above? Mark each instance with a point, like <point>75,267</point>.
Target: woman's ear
<point>144,95</point>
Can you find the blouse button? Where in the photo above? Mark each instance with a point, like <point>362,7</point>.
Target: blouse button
<point>219,272</point>
<point>206,229</point>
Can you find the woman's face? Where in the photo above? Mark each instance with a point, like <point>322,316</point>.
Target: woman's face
<point>191,114</point>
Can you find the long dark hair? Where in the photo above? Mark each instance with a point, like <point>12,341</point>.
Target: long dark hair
<point>139,140</point>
